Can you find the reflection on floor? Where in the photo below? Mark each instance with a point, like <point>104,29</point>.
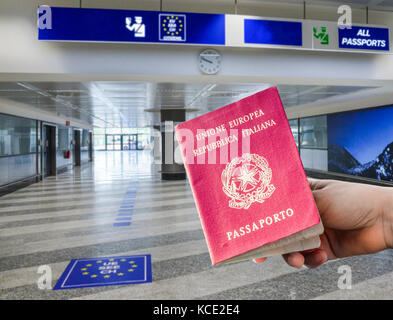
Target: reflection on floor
<point>71,216</point>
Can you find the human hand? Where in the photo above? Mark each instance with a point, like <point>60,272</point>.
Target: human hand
<point>358,219</point>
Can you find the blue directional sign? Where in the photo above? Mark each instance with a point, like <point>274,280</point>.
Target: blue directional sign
<point>364,38</point>
<point>107,25</point>
<point>105,271</point>
<point>273,32</point>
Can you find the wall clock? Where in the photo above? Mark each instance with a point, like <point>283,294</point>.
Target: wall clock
<point>209,61</point>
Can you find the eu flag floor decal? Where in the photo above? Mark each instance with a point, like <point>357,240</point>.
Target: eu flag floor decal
<point>105,271</point>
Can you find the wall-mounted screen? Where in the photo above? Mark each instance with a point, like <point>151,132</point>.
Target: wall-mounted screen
<point>361,143</point>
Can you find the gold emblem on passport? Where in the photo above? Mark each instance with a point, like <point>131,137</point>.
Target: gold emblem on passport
<point>246,180</point>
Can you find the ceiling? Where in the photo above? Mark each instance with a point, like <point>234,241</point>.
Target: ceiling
<point>125,104</point>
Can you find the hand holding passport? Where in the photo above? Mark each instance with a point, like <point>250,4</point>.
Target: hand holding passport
<point>248,181</point>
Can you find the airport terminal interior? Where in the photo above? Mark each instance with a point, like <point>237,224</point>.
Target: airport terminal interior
<point>84,118</point>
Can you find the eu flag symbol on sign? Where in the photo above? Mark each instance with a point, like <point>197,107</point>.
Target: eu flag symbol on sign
<point>105,271</point>
<point>172,27</point>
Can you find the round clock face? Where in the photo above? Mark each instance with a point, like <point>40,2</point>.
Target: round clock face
<point>209,61</point>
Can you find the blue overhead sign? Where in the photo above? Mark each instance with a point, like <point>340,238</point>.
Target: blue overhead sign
<point>107,25</point>
<point>156,27</point>
<point>364,38</point>
<point>273,32</point>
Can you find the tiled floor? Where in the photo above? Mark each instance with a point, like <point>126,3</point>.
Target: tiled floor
<point>72,216</point>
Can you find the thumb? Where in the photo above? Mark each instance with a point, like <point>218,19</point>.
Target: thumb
<point>316,184</point>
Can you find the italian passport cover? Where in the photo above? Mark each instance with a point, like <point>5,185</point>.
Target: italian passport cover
<point>246,176</point>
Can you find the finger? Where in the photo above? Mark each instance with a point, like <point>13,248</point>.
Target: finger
<point>294,259</point>
<point>313,183</point>
<point>325,244</point>
<point>305,252</point>
<point>316,184</point>
<point>259,260</point>
<point>315,258</point>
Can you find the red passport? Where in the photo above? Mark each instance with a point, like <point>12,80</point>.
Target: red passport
<point>246,176</point>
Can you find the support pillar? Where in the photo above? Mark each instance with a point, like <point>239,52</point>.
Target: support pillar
<point>170,170</point>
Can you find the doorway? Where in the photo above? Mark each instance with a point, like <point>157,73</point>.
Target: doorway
<point>90,143</point>
<point>113,142</point>
<point>130,142</point>
<point>49,150</point>
<point>77,148</point>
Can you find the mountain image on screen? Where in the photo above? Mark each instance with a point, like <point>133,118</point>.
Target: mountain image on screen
<point>342,161</point>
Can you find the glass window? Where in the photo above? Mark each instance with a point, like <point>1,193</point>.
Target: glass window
<point>127,130</point>
<point>144,130</point>
<point>85,138</point>
<point>17,135</point>
<point>99,130</point>
<point>313,132</point>
<point>99,142</point>
<point>130,130</point>
<point>144,142</point>
<point>314,159</point>
<point>295,130</point>
<point>113,130</point>
<point>63,138</point>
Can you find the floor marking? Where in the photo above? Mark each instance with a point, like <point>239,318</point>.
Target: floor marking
<point>127,206</point>
<point>123,219</point>
<point>105,271</point>
<point>121,224</point>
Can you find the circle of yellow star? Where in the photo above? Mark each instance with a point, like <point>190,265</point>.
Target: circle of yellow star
<point>84,269</point>
<point>131,262</point>
<point>130,270</point>
<point>93,276</point>
<point>88,265</point>
<point>120,274</point>
<point>111,259</point>
<point>134,265</point>
<point>99,261</point>
<point>107,276</point>
<point>123,260</point>
<point>85,273</point>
